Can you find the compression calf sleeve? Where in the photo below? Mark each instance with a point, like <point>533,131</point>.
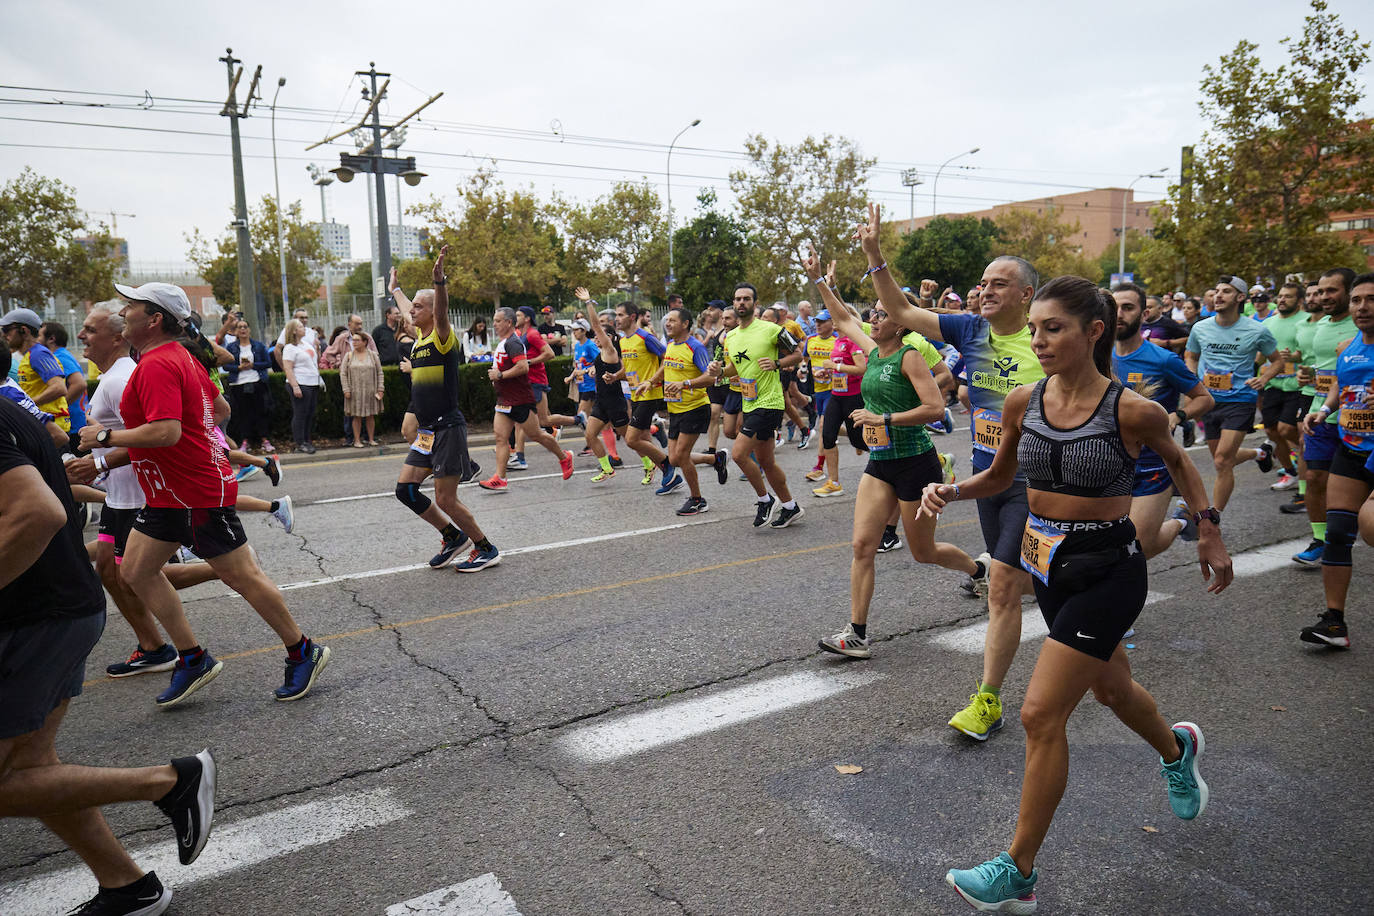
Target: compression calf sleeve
<point>1341,527</point>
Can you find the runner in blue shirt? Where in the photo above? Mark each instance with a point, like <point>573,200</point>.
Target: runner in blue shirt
<point>54,337</point>
<point>585,352</point>
<point>1160,375</point>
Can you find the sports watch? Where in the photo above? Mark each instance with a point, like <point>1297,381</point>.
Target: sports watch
<point>1211,514</point>
<point>102,438</point>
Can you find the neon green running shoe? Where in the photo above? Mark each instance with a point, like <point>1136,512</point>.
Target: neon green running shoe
<point>947,466</point>
<point>648,476</point>
<point>603,475</point>
<point>980,718</point>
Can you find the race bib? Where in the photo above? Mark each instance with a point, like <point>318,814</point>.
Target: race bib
<point>1358,420</point>
<point>876,437</point>
<point>749,388</point>
<point>632,377</point>
<point>1217,381</point>
<point>424,441</point>
<point>841,383</point>
<point>1326,380</point>
<point>1290,368</point>
<point>1039,544</point>
<point>987,429</point>
<point>671,399</point>
<point>503,408</point>
<point>822,374</point>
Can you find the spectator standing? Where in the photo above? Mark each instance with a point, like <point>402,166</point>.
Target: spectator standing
<point>246,388</point>
<point>552,332</point>
<point>340,343</point>
<point>363,390</point>
<point>302,367</point>
<point>39,373</point>
<point>384,335</point>
<point>478,342</point>
<point>54,337</point>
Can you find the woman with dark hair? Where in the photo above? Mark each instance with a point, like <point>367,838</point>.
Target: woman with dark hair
<point>1076,435</point>
<point>246,388</point>
<point>477,342</point>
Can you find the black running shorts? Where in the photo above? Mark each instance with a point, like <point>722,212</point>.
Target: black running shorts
<point>209,533</point>
<point>689,422</point>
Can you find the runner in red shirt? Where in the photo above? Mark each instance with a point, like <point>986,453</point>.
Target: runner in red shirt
<point>189,488</point>
<point>537,353</point>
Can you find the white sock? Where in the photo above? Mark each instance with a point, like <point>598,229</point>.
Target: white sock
<point>764,498</point>
<point>790,504</point>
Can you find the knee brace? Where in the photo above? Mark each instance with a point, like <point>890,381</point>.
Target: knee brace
<point>410,496</point>
<point>1341,528</point>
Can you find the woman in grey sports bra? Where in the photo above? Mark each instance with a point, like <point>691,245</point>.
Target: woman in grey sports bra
<point>1076,435</point>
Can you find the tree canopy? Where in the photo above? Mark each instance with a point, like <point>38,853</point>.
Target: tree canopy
<point>952,251</point>
<point>46,248</point>
<point>710,253</point>
<point>218,262</point>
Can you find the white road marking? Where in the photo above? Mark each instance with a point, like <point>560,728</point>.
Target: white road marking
<point>675,721</point>
<point>971,639</point>
<point>480,896</point>
<point>1274,556</point>
<point>512,476</point>
<point>231,847</point>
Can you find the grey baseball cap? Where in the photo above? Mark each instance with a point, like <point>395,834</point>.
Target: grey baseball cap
<point>26,317</point>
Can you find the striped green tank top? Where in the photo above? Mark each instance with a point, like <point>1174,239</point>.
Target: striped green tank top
<point>887,390</point>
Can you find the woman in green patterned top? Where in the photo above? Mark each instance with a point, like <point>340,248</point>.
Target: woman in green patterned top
<point>900,398</point>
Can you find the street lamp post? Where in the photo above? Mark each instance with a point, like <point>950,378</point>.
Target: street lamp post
<point>1121,246</point>
<point>935,185</point>
<point>667,286</point>
<point>276,182</point>
<point>321,179</point>
<point>911,178</point>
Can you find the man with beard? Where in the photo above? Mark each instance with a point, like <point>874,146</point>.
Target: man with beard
<point>1281,404</point>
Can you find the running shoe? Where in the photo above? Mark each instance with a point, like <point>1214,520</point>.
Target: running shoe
<point>273,470</point>
<point>980,718</point>
<point>671,481</point>
<point>1189,530</point>
<point>192,807</point>
<point>1189,433</point>
<point>890,542</point>
<point>517,464</point>
<point>603,475</point>
<point>946,466</point>
<point>581,420</point>
<point>948,421</point>
<point>815,474</point>
<point>695,505</point>
<point>1264,460</point>
<point>829,488</point>
<point>787,516</point>
<point>660,435</point>
<point>301,675</point>
<point>777,438</point>
<point>494,484</point>
<point>847,642</point>
<point>566,463</point>
<point>648,476</point>
<point>1327,631</point>
<point>187,555</point>
<point>145,897</point>
<point>977,586</point>
<point>448,549</point>
<point>247,471</point>
<point>1312,556</point>
<point>762,511</point>
<point>805,439</point>
<point>479,560</point>
<point>1187,789</point>
<point>187,680</point>
<point>996,886</point>
<point>284,514</point>
<point>163,658</point>
<point>268,446</point>
<point>1286,481</point>
<point>1297,506</point>
<point>722,468</point>
<point>617,461</point>
<point>586,453</point>
<point>791,431</point>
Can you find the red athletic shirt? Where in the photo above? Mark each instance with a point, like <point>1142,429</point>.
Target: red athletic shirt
<point>534,345</point>
<point>512,392</point>
<point>167,384</point>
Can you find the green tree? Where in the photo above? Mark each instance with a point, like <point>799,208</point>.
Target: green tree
<point>218,262</point>
<point>710,252</point>
<point>953,251</point>
<point>812,192</point>
<point>499,244</point>
<point>1107,261</point>
<point>1044,241</point>
<point>1282,152</point>
<point>619,239</point>
<point>45,247</point>
<point>359,280</point>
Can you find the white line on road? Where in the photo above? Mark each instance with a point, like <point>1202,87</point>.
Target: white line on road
<point>1264,559</point>
<point>971,639</point>
<point>429,488</point>
<point>682,719</point>
<point>481,896</point>
<point>231,847</point>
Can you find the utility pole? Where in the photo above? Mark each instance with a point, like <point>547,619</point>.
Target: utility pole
<point>383,235</point>
<point>248,287</point>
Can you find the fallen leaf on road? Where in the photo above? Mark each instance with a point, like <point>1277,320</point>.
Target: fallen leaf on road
<point>1148,829</point>
<point>848,769</point>
<point>1279,708</point>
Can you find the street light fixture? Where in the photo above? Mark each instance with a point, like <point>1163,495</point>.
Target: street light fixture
<point>276,182</point>
<point>1121,246</point>
<point>668,285</point>
<point>935,186</point>
<point>911,178</point>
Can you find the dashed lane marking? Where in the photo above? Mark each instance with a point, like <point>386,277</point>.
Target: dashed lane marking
<point>480,896</point>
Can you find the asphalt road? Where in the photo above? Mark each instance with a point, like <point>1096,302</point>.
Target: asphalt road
<point>630,715</point>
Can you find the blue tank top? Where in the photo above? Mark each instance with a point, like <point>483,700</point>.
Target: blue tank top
<point>1355,379</point>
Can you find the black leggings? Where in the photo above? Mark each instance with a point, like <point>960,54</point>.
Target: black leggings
<point>837,411</point>
<point>248,419</point>
<point>303,413</point>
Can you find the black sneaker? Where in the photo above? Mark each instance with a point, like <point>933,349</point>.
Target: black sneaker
<point>890,542</point>
<point>273,470</point>
<point>1189,433</point>
<point>763,511</point>
<point>617,462</point>
<point>145,897</point>
<point>448,550</point>
<point>722,469</point>
<point>787,516</point>
<point>1327,631</point>
<point>191,804</point>
<point>1297,506</point>
<point>695,505</point>
<point>1265,459</point>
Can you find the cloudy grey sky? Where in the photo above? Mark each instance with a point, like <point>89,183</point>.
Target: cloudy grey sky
<point>1059,97</point>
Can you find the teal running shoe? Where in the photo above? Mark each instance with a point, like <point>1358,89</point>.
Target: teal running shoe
<point>996,886</point>
<point>1187,790</point>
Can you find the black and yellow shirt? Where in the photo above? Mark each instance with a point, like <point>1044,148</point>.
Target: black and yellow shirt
<point>434,381</point>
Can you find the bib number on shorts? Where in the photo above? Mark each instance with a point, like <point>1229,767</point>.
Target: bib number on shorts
<point>424,441</point>
<point>1217,381</point>
<point>749,388</point>
<point>987,429</point>
<point>1325,382</point>
<point>876,437</point>
<point>1038,546</point>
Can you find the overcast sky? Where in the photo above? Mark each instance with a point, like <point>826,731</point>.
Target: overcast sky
<point>1089,95</point>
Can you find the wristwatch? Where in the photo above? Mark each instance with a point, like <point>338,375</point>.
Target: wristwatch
<point>102,438</point>
<point>1211,514</point>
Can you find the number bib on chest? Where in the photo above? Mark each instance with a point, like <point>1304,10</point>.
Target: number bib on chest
<point>1038,547</point>
<point>876,438</point>
<point>632,376</point>
<point>1217,381</point>
<point>1326,380</point>
<point>987,429</point>
<point>1355,417</point>
<point>749,388</point>
<point>672,398</point>
<point>424,440</point>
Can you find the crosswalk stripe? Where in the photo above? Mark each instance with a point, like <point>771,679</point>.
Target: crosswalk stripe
<point>971,639</point>
<point>480,896</point>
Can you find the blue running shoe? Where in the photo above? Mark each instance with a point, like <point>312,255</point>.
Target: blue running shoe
<point>247,471</point>
<point>1312,556</point>
<point>163,658</point>
<point>1189,530</point>
<point>581,420</point>
<point>670,483</point>
<point>948,421</point>
<point>300,676</point>
<point>996,886</point>
<point>722,470</point>
<point>187,680</point>
<point>448,550</point>
<point>479,560</point>
<point>1187,790</point>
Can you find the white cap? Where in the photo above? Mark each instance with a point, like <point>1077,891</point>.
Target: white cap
<point>167,296</point>
<point>1256,290</point>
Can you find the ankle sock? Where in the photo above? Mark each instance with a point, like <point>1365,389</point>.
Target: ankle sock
<point>988,688</point>
<point>647,461</point>
<point>451,532</point>
<point>764,498</point>
<point>484,544</point>
<point>192,656</point>
<point>296,653</point>
<point>1319,531</point>
<point>860,630</point>
<point>790,504</point>
<point>890,531</point>
<point>1337,613</point>
<point>605,462</point>
<point>274,506</point>
<point>1302,484</point>
<point>982,569</point>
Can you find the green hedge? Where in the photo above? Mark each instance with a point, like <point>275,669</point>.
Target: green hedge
<point>477,398</point>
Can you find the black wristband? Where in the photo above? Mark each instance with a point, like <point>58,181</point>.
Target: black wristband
<point>441,282</point>
<point>1182,416</point>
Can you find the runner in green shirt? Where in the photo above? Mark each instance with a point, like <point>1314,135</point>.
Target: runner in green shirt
<point>1281,403</point>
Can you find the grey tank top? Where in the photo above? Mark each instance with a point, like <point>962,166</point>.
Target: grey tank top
<point>1088,460</point>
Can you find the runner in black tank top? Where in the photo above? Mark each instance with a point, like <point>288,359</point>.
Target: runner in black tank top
<point>1077,434</point>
